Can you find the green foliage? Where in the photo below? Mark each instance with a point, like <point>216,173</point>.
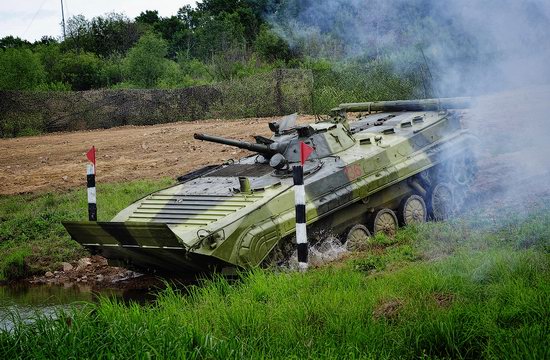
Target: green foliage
<point>195,71</point>
<point>9,42</point>
<point>356,81</point>
<point>145,63</point>
<point>216,35</point>
<point>113,70</point>
<point>14,124</point>
<point>270,46</point>
<point>172,76</point>
<point>21,69</point>
<point>50,57</point>
<point>149,17</point>
<point>426,310</point>
<point>15,265</point>
<point>82,71</point>
<point>106,35</point>
<point>31,229</point>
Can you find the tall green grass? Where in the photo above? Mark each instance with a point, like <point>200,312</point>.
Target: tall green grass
<point>464,289</point>
<point>32,238</point>
<point>491,305</point>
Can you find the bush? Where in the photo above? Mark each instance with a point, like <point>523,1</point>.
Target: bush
<point>21,70</point>
<point>270,46</point>
<point>113,70</point>
<point>145,63</point>
<point>21,124</point>
<point>172,76</point>
<point>53,86</point>
<point>15,265</point>
<point>83,71</point>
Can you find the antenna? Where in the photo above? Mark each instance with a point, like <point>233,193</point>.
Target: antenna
<point>63,20</point>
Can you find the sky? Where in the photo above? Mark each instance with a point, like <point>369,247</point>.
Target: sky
<point>32,19</point>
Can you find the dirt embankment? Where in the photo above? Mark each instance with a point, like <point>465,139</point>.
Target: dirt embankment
<point>93,271</point>
<point>58,162</point>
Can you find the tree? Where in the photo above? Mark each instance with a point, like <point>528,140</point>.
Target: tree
<point>83,71</point>
<point>113,34</point>
<point>145,63</point>
<point>103,35</point>
<point>218,34</point>
<point>270,46</point>
<point>9,42</point>
<point>50,56</point>
<point>21,70</point>
<point>78,34</point>
<point>149,17</point>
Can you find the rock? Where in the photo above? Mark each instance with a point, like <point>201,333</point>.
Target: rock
<point>82,263</point>
<point>66,266</point>
<point>48,274</point>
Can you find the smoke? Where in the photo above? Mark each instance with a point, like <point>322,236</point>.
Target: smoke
<point>495,50</point>
<point>472,47</point>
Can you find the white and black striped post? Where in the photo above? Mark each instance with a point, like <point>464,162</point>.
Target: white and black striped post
<point>90,183</point>
<point>300,204</point>
<point>92,203</point>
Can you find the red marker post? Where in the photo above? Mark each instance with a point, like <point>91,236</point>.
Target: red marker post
<point>90,183</point>
<point>300,205</point>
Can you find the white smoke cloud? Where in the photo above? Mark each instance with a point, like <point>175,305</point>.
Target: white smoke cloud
<point>473,46</point>
<point>496,50</point>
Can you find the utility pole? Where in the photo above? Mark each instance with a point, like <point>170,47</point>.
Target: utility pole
<point>63,19</point>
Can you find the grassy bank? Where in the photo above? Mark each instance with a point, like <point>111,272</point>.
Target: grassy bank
<point>472,288</point>
<point>32,239</point>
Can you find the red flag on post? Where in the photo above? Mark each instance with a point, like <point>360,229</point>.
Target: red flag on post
<point>91,156</point>
<point>305,151</point>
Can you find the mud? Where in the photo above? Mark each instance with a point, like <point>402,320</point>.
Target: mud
<point>57,161</point>
<point>92,271</point>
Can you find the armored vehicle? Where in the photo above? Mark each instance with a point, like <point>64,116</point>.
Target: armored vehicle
<point>398,163</point>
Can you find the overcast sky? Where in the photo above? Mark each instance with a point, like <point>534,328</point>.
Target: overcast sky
<point>31,19</point>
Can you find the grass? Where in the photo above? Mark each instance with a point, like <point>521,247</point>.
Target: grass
<point>470,288</point>
<point>32,238</point>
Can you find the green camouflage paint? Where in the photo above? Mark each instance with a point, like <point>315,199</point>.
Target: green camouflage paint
<point>210,222</point>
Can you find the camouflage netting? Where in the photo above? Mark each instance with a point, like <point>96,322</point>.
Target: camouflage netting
<point>280,92</point>
<point>276,93</point>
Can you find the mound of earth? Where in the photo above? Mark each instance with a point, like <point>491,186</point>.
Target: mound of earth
<point>93,270</point>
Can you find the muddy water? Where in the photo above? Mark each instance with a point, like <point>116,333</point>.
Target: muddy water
<point>25,302</point>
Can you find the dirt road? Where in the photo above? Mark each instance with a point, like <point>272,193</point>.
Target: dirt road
<point>57,161</point>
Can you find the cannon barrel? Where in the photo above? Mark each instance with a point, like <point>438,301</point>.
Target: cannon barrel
<point>409,105</point>
<point>260,148</point>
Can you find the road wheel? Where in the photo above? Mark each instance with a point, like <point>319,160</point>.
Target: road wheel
<point>441,201</point>
<point>385,222</point>
<point>357,238</point>
<point>412,210</point>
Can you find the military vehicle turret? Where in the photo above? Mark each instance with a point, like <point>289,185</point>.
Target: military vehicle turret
<point>398,163</point>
